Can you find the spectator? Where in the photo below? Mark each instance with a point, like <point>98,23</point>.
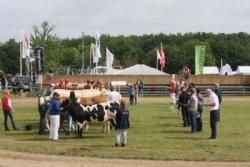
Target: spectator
<point>3,81</point>
<point>131,94</point>
<point>186,72</point>
<point>136,90</point>
<point>218,92</point>
<point>8,110</point>
<point>114,95</point>
<point>200,109</point>
<point>213,107</point>
<point>172,87</point>
<point>140,85</point>
<point>88,85</point>
<point>122,124</point>
<point>192,109</point>
<point>42,108</point>
<point>54,117</point>
<point>183,99</point>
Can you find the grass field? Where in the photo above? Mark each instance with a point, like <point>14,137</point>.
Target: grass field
<point>156,133</point>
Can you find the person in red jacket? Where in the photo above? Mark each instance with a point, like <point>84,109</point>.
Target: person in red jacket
<point>8,110</point>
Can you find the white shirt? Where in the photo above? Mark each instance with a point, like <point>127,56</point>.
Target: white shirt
<point>213,98</point>
<point>115,96</point>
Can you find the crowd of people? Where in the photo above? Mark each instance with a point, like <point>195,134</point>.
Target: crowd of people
<point>190,101</point>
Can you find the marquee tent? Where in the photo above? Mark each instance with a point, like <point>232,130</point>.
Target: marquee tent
<point>210,70</point>
<point>140,69</point>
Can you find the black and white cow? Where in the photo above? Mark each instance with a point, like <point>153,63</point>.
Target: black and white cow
<point>85,115</point>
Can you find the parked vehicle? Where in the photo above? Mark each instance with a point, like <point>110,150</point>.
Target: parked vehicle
<point>22,83</point>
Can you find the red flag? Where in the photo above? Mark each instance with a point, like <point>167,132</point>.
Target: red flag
<point>163,61</point>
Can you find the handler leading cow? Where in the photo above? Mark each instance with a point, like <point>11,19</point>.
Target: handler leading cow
<point>90,109</point>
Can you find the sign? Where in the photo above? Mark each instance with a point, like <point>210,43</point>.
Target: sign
<point>118,83</point>
<point>200,52</point>
<point>39,57</point>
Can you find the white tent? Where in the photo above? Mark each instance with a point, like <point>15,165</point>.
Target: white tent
<point>140,69</point>
<point>244,70</point>
<point>210,70</point>
<point>226,70</point>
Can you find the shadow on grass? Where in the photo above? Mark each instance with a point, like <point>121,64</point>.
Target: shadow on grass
<point>175,131</point>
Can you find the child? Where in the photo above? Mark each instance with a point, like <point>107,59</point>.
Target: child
<point>136,91</point>
<point>122,124</point>
<point>131,93</point>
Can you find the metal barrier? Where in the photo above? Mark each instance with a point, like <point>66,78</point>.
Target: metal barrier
<point>162,90</point>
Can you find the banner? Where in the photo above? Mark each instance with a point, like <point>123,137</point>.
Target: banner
<point>25,44</point>
<point>200,52</point>
<point>109,59</point>
<point>98,46</point>
<point>93,53</point>
<point>39,57</point>
<point>163,60</point>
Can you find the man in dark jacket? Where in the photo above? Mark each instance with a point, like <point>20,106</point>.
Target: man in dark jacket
<point>183,99</point>
<point>122,124</point>
<point>42,108</point>
<point>218,92</point>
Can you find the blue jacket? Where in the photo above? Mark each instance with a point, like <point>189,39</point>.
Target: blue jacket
<point>122,119</point>
<point>54,107</point>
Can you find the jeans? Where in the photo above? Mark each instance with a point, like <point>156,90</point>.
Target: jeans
<point>131,99</point>
<point>213,123</point>
<point>69,122</point>
<point>193,121</point>
<point>6,114</point>
<point>118,133</point>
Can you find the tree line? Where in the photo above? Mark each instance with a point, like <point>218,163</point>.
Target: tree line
<point>233,49</point>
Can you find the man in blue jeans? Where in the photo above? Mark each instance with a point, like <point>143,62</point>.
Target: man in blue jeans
<point>213,107</point>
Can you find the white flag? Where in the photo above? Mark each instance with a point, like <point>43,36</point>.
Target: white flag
<point>109,59</point>
<point>93,53</point>
<point>25,44</point>
<point>98,45</point>
<point>158,55</point>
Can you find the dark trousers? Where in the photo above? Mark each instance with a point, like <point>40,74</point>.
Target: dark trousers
<point>193,121</point>
<point>131,99</point>
<point>213,123</point>
<point>185,116</point>
<point>6,114</point>
<point>199,122</point>
<point>42,114</point>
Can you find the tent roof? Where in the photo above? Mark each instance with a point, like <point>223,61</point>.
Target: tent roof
<point>210,70</point>
<point>140,69</point>
<point>243,70</point>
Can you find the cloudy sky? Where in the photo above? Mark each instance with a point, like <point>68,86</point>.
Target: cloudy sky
<point>115,17</point>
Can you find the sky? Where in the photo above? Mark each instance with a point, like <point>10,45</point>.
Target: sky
<point>124,17</point>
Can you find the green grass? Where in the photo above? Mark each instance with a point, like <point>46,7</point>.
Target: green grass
<point>156,133</point>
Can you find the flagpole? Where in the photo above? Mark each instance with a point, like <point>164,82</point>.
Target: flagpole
<point>21,59</point>
<point>156,62</point>
<point>82,52</point>
<point>90,50</point>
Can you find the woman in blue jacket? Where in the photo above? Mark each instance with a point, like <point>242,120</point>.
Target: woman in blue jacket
<point>54,117</point>
<point>122,124</point>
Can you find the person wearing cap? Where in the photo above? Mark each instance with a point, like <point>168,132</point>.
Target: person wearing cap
<point>213,107</point>
<point>54,117</point>
<point>8,110</point>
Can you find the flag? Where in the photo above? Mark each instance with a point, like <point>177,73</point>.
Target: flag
<point>98,46</point>
<point>163,61</point>
<point>25,45</point>
<point>93,52</point>
<point>158,55</point>
<point>109,59</point>
<point>200,52</point>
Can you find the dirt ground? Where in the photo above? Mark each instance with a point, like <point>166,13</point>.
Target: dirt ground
<point>17,159</point>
